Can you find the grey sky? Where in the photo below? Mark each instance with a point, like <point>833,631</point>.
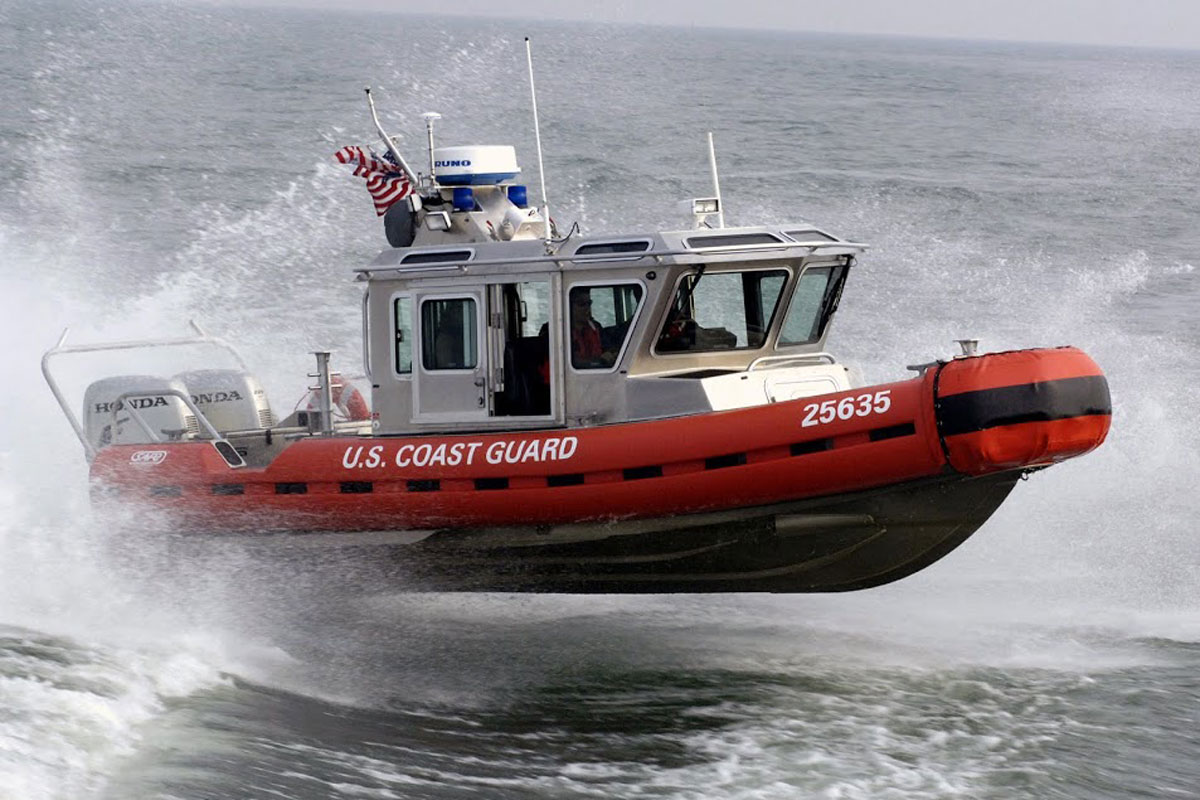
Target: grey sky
<point>1161,23</point>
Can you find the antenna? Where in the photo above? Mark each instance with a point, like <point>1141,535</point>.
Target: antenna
<point>712,164</point>
<point>537,135</point>
<point>704,207</point>
<point>430,117</point>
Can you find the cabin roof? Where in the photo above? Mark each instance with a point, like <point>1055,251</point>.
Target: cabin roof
<point>703,245</point>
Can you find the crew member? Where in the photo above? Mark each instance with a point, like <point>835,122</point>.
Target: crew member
<point>587,341</point>
<point>348,402</point>
<point>587,347</point>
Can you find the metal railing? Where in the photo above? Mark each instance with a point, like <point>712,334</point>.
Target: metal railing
<point>699,253</point>
<point>62,348</point>
<point>227,452</point>
<point>802,359</point>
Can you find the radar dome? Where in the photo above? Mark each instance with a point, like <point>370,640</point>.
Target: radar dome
<point>475,165</point>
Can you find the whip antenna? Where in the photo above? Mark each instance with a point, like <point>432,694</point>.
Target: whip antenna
<point>430,117</point>
<point>537,135</point>
<point>712,165</point>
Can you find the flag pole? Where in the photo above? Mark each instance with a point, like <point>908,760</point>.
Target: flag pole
<point>387,140</point>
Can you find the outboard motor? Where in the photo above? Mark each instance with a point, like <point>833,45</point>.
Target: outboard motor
<point>230,399</point>
<point>164,414</point>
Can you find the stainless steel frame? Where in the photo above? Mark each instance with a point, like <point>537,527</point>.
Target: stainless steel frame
<point>61,348</point>
<point>228,452</point>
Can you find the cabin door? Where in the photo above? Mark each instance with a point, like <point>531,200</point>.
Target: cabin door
<point>519,334</point>
<point>451,364</point>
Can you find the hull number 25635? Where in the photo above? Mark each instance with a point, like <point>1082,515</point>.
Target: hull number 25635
<point>847,408</point>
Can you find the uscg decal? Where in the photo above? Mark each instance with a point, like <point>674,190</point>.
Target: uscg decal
<point>443,454</point>
<point>148,457</point>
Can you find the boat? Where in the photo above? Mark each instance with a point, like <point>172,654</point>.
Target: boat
<point>650,412</point>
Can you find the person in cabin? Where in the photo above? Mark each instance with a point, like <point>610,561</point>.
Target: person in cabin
<point>587,335</point>
<point>348,402</point>
<point>589,348</point>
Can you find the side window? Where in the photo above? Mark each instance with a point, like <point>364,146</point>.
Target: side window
<point>763,290</point>
<point>532,311</point>
<point>449,334</point>
<point>722,311</point>
<point>600,317</point>
<point>402,314</point>
<point>811,305</point>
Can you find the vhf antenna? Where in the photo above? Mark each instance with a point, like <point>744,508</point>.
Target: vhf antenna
<point>712,165</point>
<point>537,135</point>
<point>430,117</point>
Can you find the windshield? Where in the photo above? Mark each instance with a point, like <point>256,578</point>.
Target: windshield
<point>722,311</point>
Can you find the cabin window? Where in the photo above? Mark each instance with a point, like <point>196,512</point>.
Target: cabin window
<point>402,313</point>
<point>813,303</point>
<point>600,318</point>
<point>722,311</point>
<point>732,240</point>
<point>599,248</point>
<point>437,257</point>
<point>810,236</point>
<point>449,334</point>
<point>526,308</point>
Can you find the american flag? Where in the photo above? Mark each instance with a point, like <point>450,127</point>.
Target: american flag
<point>386,181</point>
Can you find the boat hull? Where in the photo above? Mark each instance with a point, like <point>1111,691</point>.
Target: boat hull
<point>844,543</point>
<point>832,493</point>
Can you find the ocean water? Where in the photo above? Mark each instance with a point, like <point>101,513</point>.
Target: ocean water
<point>167,162</point>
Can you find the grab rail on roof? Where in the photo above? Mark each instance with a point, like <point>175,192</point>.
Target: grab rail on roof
<point>562,260</point>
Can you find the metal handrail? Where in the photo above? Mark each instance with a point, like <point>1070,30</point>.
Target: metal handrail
<point>560,260</point>
<point>822,357</point>
<point>119,405</point>
<point>61,348</point>
<point>214,435</point>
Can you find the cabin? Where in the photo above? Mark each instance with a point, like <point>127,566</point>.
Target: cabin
<point>480,334</point>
